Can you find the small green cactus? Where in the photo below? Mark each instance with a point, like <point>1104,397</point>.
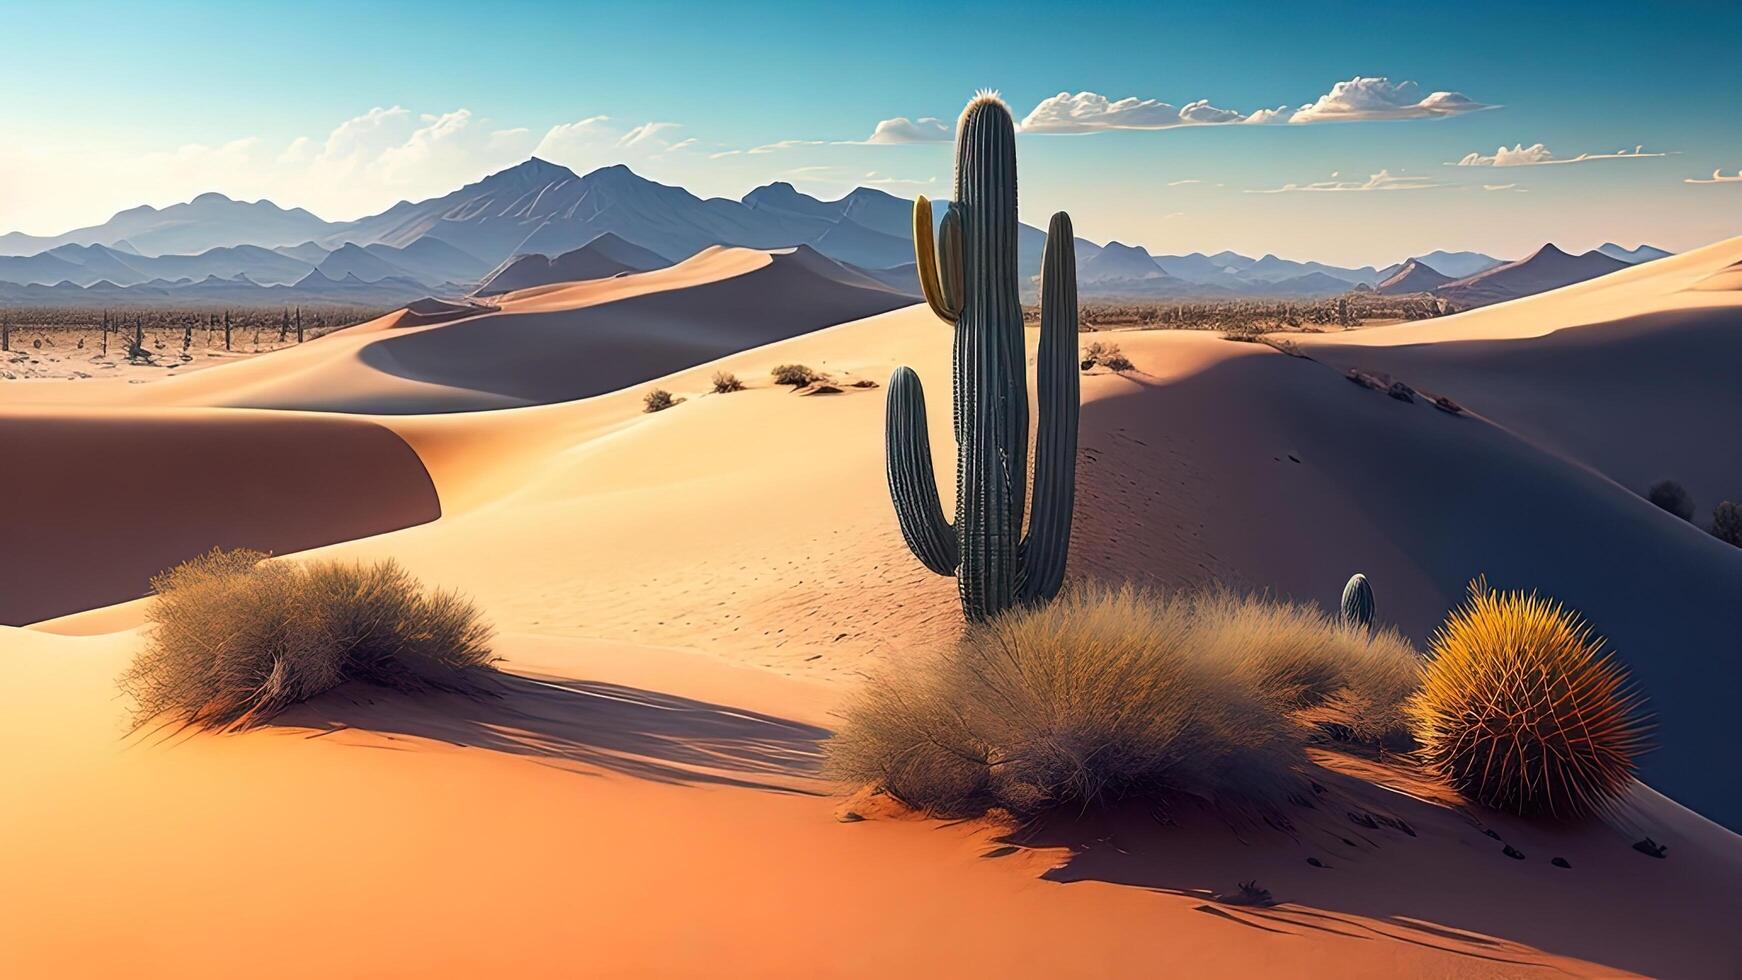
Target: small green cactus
<point>970,279</point>
<point>1358,604</point>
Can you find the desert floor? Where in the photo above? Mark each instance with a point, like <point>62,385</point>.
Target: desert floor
<point>687,599</point>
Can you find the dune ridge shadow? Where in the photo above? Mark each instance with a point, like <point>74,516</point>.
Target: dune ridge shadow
<point>591,725</point>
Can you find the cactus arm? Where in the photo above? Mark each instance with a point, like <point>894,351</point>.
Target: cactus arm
<point>949,262</point>
<point>1055,452</point>
<point>925,255</point>
<point>912,483</point>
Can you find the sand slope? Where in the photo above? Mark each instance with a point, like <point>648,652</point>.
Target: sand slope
<point>688,597</point>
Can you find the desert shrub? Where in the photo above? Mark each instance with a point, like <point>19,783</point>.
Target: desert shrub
<point>725,382</point>
<point>1108,356</point>
<point>1727,523</point>
<point>233,640</point>
<point>1673,497</point>
<point>796,375</point>
<point>658,400</point>
<point>1523,711</point>
<point>1111,693</point>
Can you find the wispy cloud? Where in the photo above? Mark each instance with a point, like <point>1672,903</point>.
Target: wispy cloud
<point>1503,187</point>
<point>644,132</point>
<point>784,145</point>
<point>1716,178</point>
<point>925,129</point>
<point>1384,180</point>
<point>1182,183</point>
<point>1356,100</point>
<point>1538,155</point>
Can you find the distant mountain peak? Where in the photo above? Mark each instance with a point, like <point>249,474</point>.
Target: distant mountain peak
<point>212,197</point>
<point>534,168</point>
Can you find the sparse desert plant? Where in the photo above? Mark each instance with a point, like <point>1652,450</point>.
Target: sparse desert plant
<point>796,375</point>
<point>1522,710</point>
<point>1357,607</point>
<point>995,564</point>
<point>1673,497</point>
<point>234,639</point>
<point>1106,355</point>
<point>1112,693</point>
<point>1727,523</point>
<point>658,400</point>
<point>725,382</point>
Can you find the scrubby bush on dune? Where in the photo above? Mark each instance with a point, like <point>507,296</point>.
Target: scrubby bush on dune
<point>1727,523</point>
<point>1673,497</point>
<point>234,640</point>
<point>725,382</point>
<point>658,400</point>
<point>796,375</point>
<point>1106,355</point>
<point>1523,711</point>
<point>1106,694</point>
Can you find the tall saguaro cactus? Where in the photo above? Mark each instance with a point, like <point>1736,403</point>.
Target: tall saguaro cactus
<point>969,276</point>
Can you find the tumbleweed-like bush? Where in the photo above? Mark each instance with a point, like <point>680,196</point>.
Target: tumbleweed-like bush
<point>1523,711</point>
<point>796,375</point>
<point>234,639</point>
<point>1114,693</point>
<point>725,382</point>
<point>1673,497</point>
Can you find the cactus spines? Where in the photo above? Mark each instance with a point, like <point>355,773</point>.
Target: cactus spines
<point>970,278</point>
<point>1358,604</point>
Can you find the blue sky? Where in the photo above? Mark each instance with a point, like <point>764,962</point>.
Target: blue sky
<point>111,105</point>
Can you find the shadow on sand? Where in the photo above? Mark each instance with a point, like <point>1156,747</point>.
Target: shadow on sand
<point>1368,864</point>
<point>590,725</point>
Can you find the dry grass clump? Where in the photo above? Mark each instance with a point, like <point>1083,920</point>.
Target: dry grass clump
<point>1113,693</point>
<point>725,382</point>
<point>1106,355</point>
<point>658,400</point>
<point>233,641</point>
<point>1523,711</point>
<point>796,375</point>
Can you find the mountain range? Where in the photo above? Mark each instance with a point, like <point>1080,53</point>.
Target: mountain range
<point>506,227</point>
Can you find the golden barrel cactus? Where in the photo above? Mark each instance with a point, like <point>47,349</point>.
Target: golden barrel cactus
<point>1522,710</point>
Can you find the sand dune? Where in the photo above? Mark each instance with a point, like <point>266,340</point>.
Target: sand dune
<point>107,499</point>
<point>1636,379</point>
<point>550,343</point>
<point>688,596</point>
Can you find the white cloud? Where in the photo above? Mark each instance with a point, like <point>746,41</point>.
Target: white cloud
<point>925,129</point>
<point>1182,183</point>
<point>598,141</point>
<point>1384,180</point>
<point>1091,112</point>
<point>1361,99</point>
<point>1716,178</point>
<point>1357,99</point>
<point>1537,155</point>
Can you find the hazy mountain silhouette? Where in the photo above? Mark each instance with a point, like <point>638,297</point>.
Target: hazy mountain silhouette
<point>601,258</point>
<point>1414,276</point>
<point>206,222</point>
<point>1547,268</point>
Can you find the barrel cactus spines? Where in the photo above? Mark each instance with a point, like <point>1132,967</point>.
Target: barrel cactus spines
<point>1358,604</point>
<point>970,279</point>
